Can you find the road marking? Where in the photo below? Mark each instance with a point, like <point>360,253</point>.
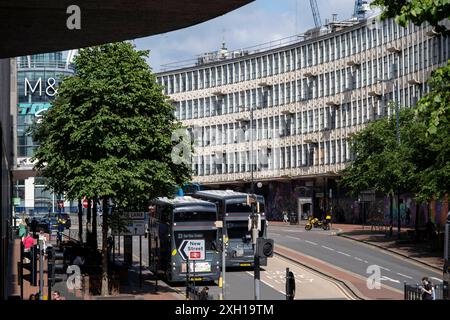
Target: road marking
<point>313,243</point>
<point>437,279</point>
<point>294,238</point>
<point>389,279</point>
<point>403,275</point>
<point>345,254</point>
<point>328,248</point>
<point>365,261</point>
<point>385,269</point>
<point>275,234</point>
<point>359,259</point>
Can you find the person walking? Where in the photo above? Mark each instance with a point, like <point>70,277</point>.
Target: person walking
<point>22,230</point>
<point>56,295</point>
<point>427,289</point>
<point>285,217</point>
<point>204,293</point>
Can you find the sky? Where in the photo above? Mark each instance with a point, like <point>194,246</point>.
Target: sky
<point>258,22</point>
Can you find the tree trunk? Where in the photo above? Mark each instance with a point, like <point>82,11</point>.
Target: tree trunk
<point>399,218</point>
<point>88,223</point>
<point>391,214</point>
<point>416,223</point>
<point>94,224</point>
<point>105,290</point>
<point>80,221</point>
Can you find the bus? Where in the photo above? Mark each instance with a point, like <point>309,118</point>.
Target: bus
<point>234,211</point>
<point>171,222</point>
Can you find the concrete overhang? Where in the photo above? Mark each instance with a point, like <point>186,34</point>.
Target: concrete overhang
<point>30,26</point>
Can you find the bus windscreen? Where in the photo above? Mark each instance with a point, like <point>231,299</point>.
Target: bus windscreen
<point>189,216</point>
<point>208,235</point>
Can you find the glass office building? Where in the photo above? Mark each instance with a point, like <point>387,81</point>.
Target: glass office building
<point>38,77</point>
<point>302,98</point>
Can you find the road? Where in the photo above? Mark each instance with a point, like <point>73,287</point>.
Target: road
<point>351,255</point>
<point>347,255</point>
<point>240,283</point>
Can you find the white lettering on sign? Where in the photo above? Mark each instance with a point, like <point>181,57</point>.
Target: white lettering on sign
<point>50,89</point>
<point>74,20</point>
<point>192,249</point>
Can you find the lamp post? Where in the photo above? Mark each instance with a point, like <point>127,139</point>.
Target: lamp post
<point>397,136</point>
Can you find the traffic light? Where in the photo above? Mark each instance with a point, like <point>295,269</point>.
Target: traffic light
<point>31,265</point>
<point>55,267</point>
<point>264,248</point>
<point>290,285</point>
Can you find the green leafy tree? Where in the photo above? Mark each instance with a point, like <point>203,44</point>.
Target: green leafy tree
<point>416,11</point>
<point>381,163</point>
<point>108,134</point>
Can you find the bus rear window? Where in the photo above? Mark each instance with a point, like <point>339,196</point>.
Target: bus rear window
<point>242,208</point>
<point>188,216</point>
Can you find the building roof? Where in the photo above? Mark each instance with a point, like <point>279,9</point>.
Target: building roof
<point>29,27</point>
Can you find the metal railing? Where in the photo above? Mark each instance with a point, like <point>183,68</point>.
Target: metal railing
<point>414,292</point>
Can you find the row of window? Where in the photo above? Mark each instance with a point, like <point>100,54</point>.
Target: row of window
<point>330,83</point>
<point>363,110</point>
<point>305,155</point>
<point>271,64</point>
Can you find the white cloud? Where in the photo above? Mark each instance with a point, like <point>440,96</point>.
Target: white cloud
<point>259,22</point>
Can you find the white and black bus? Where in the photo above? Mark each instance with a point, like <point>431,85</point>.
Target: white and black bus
<point>234,211</point>
<point>174,225</point>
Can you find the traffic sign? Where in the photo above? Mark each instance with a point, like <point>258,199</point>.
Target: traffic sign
<point>85,203</point>
<point>192,249</point>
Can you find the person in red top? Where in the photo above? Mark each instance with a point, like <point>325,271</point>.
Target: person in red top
<point>28,242</point>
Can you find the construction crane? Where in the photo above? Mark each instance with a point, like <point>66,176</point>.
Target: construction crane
<point>361,7</point>
<point>316,13</point>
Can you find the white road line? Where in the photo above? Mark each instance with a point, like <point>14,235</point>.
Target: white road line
<point>268,284</point>
<point>437,279</point>
<point>275,234</point>
<point>359,259</point>
<point>328,248</point>
<point>345,254</point>
<point>365,261</point>
<point>313,243</point>
<point>385,269</point>
<point>294,238</point>
<point>403,275</point>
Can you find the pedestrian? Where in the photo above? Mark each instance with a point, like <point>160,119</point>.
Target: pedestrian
<point>285,217</point>
<point>22,230</point>
<point>56,295</point>
<point>43,240</point>
<point>28,242</point>
<point>427,289</point>
<point>204,293</point>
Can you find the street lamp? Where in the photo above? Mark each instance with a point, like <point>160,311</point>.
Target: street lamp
<point>397,133</point>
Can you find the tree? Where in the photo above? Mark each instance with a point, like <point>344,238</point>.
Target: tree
<point>108,134</point>
<point>381,163</point>
<point>416,11</point>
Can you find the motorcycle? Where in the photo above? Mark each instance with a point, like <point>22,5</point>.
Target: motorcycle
<point>316,223</point>
<point>313,222</point>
